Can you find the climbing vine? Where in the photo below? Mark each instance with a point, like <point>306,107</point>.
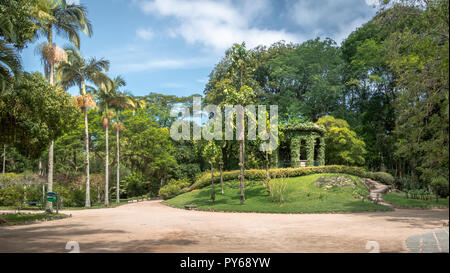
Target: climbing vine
<point>298,134</point>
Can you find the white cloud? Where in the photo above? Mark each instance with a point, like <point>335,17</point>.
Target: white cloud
<point>76,2</point>
<point>334,19</point>
<point>372,2</point>
<point>142,65</point>
<point>145,33</point>
<point>217,24</point>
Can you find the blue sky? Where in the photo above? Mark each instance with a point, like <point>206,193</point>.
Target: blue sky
<point>171,46</point>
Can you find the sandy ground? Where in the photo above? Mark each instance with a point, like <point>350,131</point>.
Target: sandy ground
<point>153,227</point>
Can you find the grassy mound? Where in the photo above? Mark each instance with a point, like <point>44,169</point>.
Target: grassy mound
<point>401,201</point>
<point>302,195</point>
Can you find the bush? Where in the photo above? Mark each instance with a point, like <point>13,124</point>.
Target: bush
<point>135,185</point>
<point>381,177</point>
<point>173,188</point>
<point>69,197</point>
<point>12,196</point>
<point>77,198</point>
<point>384,178</point>
<point>24,179</point>
<point>33,194</point>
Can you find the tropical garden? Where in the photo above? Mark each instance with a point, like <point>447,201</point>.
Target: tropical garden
<point>381,97</point>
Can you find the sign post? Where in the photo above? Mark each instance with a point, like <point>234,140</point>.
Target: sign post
<point>53,197</point>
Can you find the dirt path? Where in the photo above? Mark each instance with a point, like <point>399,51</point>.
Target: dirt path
<point>153,227</point>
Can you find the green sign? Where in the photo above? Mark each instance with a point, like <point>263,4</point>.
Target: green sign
<point>51,197</point>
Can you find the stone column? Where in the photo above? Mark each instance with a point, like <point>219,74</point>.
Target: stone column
<point>295,151</point>
<point>310,151</point>
<point>321,155</point>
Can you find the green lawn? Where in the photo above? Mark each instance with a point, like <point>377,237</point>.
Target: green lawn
<point>400,200</point>
<point>19,218</point>
<point>302,197</point>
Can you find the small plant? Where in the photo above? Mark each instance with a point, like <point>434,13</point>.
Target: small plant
<point>419,194</point>
<point>278,189</point>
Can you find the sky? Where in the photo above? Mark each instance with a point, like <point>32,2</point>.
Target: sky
<point>171,46</point>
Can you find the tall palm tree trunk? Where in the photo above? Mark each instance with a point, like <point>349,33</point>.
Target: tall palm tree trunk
<point>242,150</point>
<point>269,190</point>
<point>4,159</point>
<point>221,176</point>
<point>107,165</point>
<point>118,165</point>
<point>213,189</point>
<point>86,143</point>
<point>241,176</point>
<point>49,206</point>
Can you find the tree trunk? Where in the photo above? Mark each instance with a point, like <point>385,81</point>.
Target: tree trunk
<point>86,143</point>
<point>269,190</point>
<point>49,205</point>
<point>99,196</point>
<point>213,190</point>
<point>241,176</point>
<point>107,166</point>
<point>118,165</point>
<point>4,159</point>
<point>221,176</point>
<point>41,170</point>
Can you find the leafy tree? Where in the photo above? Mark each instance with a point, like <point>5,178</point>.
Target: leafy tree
<point>33,114</point>
<point>308,80</point>
<point>342,144</point>
<point>235,89</point>
<point>420,57</point>
<point>147,148</point>
<point>211,153</point>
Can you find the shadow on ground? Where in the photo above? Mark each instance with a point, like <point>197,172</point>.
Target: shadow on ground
<point>53,238</point>
<point>417,218</point>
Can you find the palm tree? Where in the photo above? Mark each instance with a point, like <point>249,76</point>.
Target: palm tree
<point>75,72</point>
<point>134,104</point>
<point>9,59</point>
<point>110,97</point>
<point>67,20</point>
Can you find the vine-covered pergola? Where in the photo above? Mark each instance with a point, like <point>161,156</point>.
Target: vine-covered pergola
<point>301,145</point>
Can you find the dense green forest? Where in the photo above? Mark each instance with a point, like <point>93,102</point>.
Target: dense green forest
<point>382,95</point>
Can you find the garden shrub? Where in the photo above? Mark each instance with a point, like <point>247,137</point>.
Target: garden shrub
<point>135,185</point>
<point>69,197</point>
<point>12,196</point>
<point>173,188</point>
<point>33,194</point>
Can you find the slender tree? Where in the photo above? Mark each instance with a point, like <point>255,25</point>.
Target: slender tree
<point>110,97</point>
<point>211,153</point>
<point>133,103</point>
<point>67,20</point>
<point>236,90</point>
<point>76,71</point>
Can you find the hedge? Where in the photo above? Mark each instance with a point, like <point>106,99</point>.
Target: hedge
<point>255,174</point>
